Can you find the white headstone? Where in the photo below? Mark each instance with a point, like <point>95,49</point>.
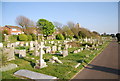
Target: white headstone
<point>1,44</point>
<point>54,48</point>
<point>22,53</point>
<point>65,53</point>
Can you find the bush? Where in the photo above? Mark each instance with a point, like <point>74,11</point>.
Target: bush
<point>29,37</point>
<point>1,37</point>
<point>70,37</point>
<point>33,37</point>
<point>59,37</point>
<point>13,38</point>
<point>23,37</point>
<point>5,32</point>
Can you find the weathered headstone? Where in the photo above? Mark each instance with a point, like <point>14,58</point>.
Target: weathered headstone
<point>36,53</point>
<point>75,51</point>
<point>17,43</point>
<point>16,51</point>
<point>66,46</point>
<point>54,48</point>
<point>31,43</point>
<point>55,59</point>
<point>65,52</point>
<point>48,49</point>
<point>6,37</point>
<point>79,50</point>
<point>26,44</point>
<point>8,67</point>
<point>9,45</point>
<point>21,43</point>
<point>11,55</point>
<point>52,42</point>
<point>1,45</point>
<point>22,53</point>
<point>59,48</point>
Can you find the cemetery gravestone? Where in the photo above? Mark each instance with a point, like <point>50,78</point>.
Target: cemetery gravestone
<point>65,52</point>
<point>22,53</point>
<point>54,49</point>
<point>41,63</point>
<point>11,55</point>
<point>1,45</point>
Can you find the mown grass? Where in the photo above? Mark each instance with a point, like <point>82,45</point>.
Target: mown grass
<point>62,71</point>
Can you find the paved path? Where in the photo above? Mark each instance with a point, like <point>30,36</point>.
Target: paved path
<point>104,66</point>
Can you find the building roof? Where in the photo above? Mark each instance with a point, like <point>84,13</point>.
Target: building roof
<point>8,26</point>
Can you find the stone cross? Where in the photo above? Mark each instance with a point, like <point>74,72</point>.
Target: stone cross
<point>42,63</point>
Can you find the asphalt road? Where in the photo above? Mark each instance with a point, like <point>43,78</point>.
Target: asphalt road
<point>104,66</point>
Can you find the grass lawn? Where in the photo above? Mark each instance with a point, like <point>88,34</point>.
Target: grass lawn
<point>63,71</point>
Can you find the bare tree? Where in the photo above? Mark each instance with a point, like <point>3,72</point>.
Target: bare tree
<point>24,22</point>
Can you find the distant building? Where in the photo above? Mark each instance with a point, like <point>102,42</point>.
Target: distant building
<point>12,30</point>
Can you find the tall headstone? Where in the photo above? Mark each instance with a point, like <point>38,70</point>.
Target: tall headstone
<point>59,48</point>
<point>66,46</point>
<point>86,40</point>
<point>48,49</point>
<point>31,45</point>
<point>6,37</point>
<point>26,44</point>
<point>54,48</point>
<point>36,53</point>
<point>11,55</point>
<point>1,45</point>
<point>65,52</point>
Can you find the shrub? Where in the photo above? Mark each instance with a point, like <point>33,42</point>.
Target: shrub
<point>13,38</point>
<point>70,37</point>
<point>33,37</point>
<point>1,37</point>
<point>23,37</point>
<point>59,37</point>
<point>5,32</point>
<point>29,37</point>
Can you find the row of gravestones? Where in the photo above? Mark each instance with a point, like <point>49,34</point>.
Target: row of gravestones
<point>57,42</point>
<point>86,47</point>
